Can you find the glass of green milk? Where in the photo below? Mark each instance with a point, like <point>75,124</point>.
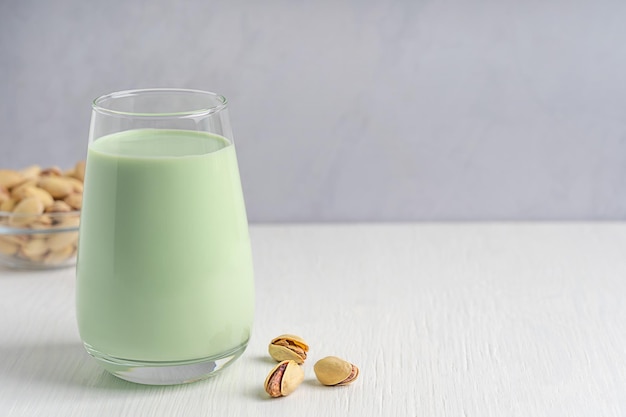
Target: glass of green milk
<point>165,289</point>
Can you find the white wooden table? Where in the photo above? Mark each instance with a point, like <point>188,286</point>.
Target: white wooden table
<point>463,320</point>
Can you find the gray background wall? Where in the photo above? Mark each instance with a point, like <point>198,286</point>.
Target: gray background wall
<point>350,110</point>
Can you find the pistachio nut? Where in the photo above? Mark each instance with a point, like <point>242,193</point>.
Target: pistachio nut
<point>79,171</point>
<point>32,191</point>
<point>335,371</point>
<point>31,172</point>
<point>35,248</point>
<point>77,185</point>
<point>70,221</point>
<point>283,379</point>
<point>53,171</point>
<point>15,239</point>
<point>75,200</point>
<point>4,194</point>
<point>55,257</point>
<point>59,206</point>
<point>8,205</point>
<point>288,347</point>
<point>16,191</point>
<point>8,248</point>
<point>27,211</point>
<point>10,178</point>
<point>58,187</point>
<point>43,221</point>
<point>58,241</point>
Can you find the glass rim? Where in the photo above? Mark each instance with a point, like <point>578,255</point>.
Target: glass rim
<point>98,103</point>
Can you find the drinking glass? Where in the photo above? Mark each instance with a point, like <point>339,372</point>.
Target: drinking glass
<point>165,291</point>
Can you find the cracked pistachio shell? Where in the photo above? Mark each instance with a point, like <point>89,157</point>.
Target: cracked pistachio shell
<point>332,370</point>
<point>288,347</point>
<point>283,379</point>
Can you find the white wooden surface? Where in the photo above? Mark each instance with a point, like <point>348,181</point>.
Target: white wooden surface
<point>442,319</point>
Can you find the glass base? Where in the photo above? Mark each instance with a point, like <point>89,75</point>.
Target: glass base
<point>166,373</point>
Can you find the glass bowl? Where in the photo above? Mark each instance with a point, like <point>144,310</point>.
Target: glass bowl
<point>41,241</point>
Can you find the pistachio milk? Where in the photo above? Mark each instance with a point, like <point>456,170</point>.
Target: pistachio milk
<point>165,270</point>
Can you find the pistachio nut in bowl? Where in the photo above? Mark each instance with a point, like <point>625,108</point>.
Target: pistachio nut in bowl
<point>38,241</point>
<point>40,216</point>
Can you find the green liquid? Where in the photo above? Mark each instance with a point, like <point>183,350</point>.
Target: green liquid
<point>164,270</point>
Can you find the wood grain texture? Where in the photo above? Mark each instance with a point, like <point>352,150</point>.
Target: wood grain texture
<point>442,319</point>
